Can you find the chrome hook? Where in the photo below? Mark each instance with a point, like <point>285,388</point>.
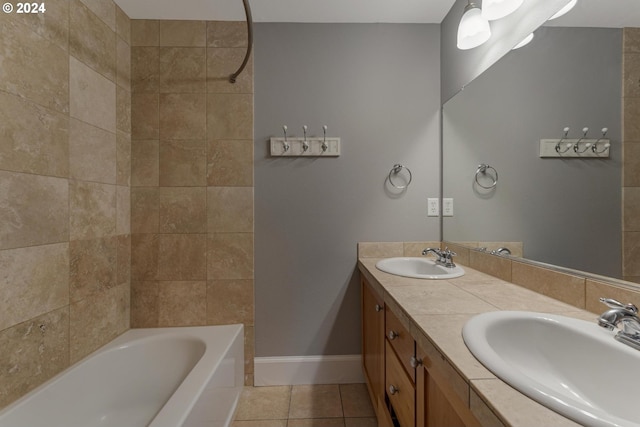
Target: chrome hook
<point>568,145</point>
<point>607,145</point>
<point>325,146</point>
<point>576,148</point>
<point>305,144</point>
<point>285,144</point>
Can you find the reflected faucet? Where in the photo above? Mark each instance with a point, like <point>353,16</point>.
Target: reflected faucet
<point>444,257</point>
<point>627,315</point>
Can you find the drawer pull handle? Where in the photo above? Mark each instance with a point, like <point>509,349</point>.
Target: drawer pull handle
<point>378,307</point>
<point>393,335</point>
<point>415,362</point>
<point>393,389</point>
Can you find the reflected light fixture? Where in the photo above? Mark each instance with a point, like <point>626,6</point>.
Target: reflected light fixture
<point>564,10</point>
<point>523,42</point>
<point>473,29</point>
<point>496,9</point>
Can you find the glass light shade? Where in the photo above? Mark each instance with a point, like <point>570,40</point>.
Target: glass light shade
<point>473,29</point>
<point>496,9</point>
<point>524,42</point>
<point>564,10</point>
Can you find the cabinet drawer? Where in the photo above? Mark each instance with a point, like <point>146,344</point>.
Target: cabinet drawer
<point>401,341</point>
<point>399,389</point>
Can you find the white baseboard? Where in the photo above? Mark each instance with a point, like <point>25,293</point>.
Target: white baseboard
<point>295,370</point>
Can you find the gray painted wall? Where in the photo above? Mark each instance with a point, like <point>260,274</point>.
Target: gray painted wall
<point>377,86</point>
<point>460,67</point>
<point>567,212</point>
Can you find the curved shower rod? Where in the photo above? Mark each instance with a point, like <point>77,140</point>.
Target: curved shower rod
<point>247,11</point>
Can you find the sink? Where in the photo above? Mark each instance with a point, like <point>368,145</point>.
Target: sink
<point>571,366</point>
<point>419,268</point>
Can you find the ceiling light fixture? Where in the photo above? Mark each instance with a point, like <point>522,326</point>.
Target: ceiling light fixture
<point>524,42</point>
<point>564,10</point>
<point>496,9</point>
<point>473,29</point>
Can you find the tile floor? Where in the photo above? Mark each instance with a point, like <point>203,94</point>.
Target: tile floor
<point>343,405</point>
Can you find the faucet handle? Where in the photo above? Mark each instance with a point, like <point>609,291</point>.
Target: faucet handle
<point>611,303</point>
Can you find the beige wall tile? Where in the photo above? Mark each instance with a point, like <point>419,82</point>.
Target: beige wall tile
<point>183,70</point>
<point>182,303</point>
<point>93,267</point>
<point>91,40</point>
<point>123,110</point>
<point>183,33</point>
<point>145,32</point>
<point>92,153</point>
<point>414,249</point>
<point>631,124</point>
<point>32,352</point>
<point>35,139</point>
<point>230,163</point>
<point>230,209</point>
<point>183,163</point>
<point>123,210</point>
<point>96,320</point>
<point>631,40</point>
<point>34,281</point>
<point>230,116</point>
<point>561,286</point>
<point>145,69</point>
<point>145,116</point>
<point>226,34</point>
<point>631,167</point>
<point>92,96</point>
<point>221,63</point>
<point>123,158</point>
<point>631,253</point>
<point>230,301</point>
<point>145,163</point>
<point>183,210</point>
<point>596,290</point>
<point>92,210</point>
<point>123,262</point>
<point>144,304</point>
<point>53,25</point>
<point>631,66</point>
<point>103,9</point>
<point>249,352</point>
<point>33,67</point>
<point>34,210</point>
<point>182,257</point>
<point>491,264</point>
<point>631,207</point>
<point>380,249</point>
<point>230,256</point>
<point>144,257</point>
<point>123,64</point>
<point>123,25</point>
<point>183,116</point>
<point>145,209</point>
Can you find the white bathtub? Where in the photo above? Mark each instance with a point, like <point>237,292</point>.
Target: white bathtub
<point>168,377</point>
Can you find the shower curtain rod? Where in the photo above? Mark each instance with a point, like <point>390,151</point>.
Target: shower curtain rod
<point>247,11</point>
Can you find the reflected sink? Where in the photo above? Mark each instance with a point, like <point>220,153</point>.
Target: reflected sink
<point>418,268</point>
<point>571,366</point>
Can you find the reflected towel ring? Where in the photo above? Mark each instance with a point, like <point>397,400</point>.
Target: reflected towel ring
<point>482,169</point>
<point>395,170</point>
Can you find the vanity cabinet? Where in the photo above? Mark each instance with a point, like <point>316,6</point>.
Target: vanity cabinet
<point>399,373</point>
<point>373,343</point>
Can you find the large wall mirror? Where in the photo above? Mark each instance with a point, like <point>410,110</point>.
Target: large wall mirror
<point>565,212</point>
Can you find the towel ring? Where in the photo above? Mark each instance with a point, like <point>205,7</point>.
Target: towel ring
<point>482,169</point>
<point>395,170</point>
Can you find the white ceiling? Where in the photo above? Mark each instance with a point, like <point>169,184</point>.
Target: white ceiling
<point>588,13</point>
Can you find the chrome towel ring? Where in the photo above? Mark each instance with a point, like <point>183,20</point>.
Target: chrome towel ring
<point>483,169</point>
<point>395,170</point>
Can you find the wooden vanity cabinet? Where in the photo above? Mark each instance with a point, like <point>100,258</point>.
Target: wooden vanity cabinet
<point>373,343</point>
<point>400,374</point>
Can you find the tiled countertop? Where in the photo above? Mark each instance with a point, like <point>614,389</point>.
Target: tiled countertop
<point>436,310</point>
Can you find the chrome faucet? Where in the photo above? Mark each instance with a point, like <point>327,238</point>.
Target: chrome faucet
<point>445,257</point>
<point>627,315</point>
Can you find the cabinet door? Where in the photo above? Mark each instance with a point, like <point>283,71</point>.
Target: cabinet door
<point>373,342</point>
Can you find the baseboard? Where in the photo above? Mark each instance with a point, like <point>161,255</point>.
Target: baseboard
<point>295,370</point>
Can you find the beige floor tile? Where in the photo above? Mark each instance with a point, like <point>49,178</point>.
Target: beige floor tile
<point>361,422</point>
<point>260,423</point>
<point>264,403</point>
<point>315,401</point>
<point>355,401</point>
<point>316,422</point>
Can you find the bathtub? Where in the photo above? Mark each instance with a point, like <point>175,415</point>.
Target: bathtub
<point>167,377</point>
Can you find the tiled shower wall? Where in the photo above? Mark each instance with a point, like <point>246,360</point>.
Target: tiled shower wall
<point>192,177</point>
<point>631,159</point>
<point>64,187</point>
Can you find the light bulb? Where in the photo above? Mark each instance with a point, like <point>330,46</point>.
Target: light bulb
<point>473,30</point>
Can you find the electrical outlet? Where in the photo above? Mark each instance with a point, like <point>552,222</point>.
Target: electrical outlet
<point>447,207</point>
<point>433,206</point>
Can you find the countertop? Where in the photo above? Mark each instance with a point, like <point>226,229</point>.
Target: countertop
<point>436,310</point>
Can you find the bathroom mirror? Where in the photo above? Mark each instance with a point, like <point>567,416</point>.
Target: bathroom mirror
<point>565,212</point>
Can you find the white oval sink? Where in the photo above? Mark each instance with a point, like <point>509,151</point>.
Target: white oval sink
<point>571,366</point>
<point>419,268</point>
